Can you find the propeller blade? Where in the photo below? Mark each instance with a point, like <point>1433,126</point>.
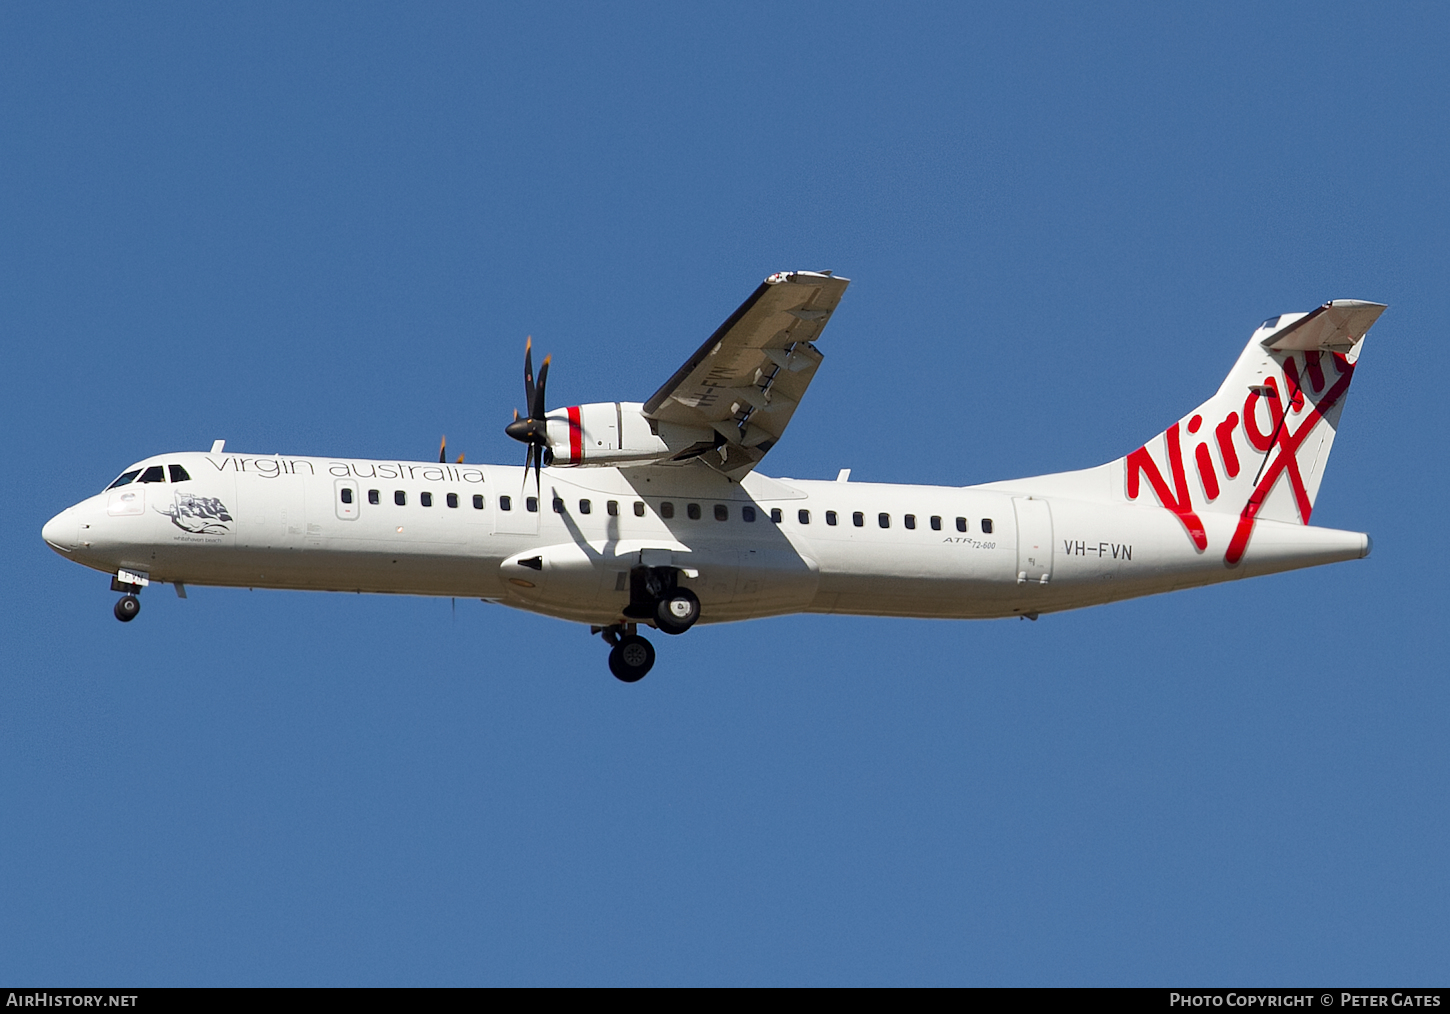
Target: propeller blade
<point>537,409</point>
<point>529,374</point>
<point>459,461</point>
<point>443,449</point>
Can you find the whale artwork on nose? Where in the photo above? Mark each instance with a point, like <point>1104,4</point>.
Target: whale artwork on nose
<point>199,515</point>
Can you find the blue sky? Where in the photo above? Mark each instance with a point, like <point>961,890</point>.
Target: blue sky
<point>327,231</point>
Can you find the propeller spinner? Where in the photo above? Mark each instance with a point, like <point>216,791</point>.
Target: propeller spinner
<point>534,430</point>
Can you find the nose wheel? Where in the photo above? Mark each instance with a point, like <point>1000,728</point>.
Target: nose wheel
<point>127,608</point>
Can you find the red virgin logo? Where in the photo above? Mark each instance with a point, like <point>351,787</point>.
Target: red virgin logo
<point>1279,447</point>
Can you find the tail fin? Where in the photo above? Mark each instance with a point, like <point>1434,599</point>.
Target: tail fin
<point>1258,448</point>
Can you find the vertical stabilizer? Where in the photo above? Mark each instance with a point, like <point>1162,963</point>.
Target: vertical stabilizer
<point>1258,448</point>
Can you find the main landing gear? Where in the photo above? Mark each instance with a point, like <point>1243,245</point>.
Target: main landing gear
<point>654,597</point>
<point>677,611</point>
<point>631,656</point>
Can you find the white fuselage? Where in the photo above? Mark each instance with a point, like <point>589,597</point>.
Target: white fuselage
<point>312,523</point>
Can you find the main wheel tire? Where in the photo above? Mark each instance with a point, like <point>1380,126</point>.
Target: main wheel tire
<point>677,611</point>
<point>127,606</point>
<point>631,658</point>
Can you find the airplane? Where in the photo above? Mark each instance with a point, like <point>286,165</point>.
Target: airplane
<point>655,514</point>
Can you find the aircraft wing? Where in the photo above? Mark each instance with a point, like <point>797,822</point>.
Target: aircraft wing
<point>743,384</point>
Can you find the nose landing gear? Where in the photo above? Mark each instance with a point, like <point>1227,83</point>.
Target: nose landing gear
<point>127,607</point>
<point>130,585</point>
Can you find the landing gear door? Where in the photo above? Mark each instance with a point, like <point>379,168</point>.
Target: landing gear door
<point>1034,540</point>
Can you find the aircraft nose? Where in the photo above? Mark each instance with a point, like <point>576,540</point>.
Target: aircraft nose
<point>60,532</point>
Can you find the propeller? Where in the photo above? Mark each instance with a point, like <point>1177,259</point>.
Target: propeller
<point>534,430</point>
<point>443,452</point>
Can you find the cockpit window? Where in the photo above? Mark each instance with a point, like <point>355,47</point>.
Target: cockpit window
<point>1271,322</point>
<point>178,474</point>
<point>153,474</point>
<point>124,478</point>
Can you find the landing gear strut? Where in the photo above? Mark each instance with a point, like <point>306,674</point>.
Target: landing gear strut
<point>631,656</point>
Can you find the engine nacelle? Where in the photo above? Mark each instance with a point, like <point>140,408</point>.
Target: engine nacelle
<point>617,433</point>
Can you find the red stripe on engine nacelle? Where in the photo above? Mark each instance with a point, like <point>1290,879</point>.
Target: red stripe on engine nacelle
<point>576,436</point>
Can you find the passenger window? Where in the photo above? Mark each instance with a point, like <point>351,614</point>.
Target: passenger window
<point>747,514</point>
<point>505,503</point>
<point>831,518</point>
<point>961,524</point>
<point>667,509</point>
<point>374,497</point>
<point>936,522</point>
<point>400,498</point>
<point>478,501</point>
<point>986,526</point>
<point>722,513</point>
<point>531,504</point>
<point>124,478</point>
<point>804,517</point>
<point>639,508</point>
<point>585,507</point>
<point>558,506</point>
<point>153,474</point>
<point>452,499</point>
<point>909,521</point>
<point>178,474</point>
<point>692,511</point>
<point>884,520</point>
<point>775,514</point>
<point>346,494</point>
<point>611,508</point>
<point>426,499</point>
<point>858,519</point>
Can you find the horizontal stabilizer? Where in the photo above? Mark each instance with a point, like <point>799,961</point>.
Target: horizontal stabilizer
<point>1333,327</point>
